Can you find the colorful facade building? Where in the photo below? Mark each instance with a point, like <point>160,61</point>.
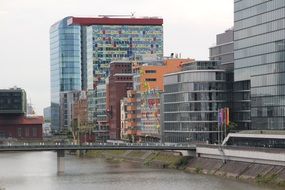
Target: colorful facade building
<point>130,129</point>
<point>82,49</point>
<point>144,100</point>
<point>124,118</point>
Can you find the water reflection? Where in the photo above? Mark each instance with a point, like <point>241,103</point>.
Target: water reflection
<point>37,170</point>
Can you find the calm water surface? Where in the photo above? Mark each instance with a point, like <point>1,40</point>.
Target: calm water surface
<point>37,170</point>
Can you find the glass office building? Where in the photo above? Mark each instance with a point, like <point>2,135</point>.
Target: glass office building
<point>191,101</point>
<point>259,52</point>
<point>13,101</point>
<point>65,62</point>
<point>223,51</point>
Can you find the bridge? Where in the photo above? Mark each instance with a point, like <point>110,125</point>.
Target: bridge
<point>60,148</point>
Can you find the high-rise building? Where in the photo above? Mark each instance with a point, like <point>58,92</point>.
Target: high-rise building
<point>259,53</point>
<point>223,51</point>
<point>47,115</point>
<point>82,48</point>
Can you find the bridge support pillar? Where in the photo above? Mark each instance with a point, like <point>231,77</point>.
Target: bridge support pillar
<point>60,162</point>
<point>191,153</point>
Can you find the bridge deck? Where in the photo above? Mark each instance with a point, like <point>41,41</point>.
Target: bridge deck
<point>55,147</point>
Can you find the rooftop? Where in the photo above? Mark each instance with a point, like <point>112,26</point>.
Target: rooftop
<point>87,21</point>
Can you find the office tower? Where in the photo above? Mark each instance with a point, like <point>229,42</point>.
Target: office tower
<point>223,50</point>
<point>239,103</point>
<point>82,48</point>
<point>47,116</point>
<point>259,53</point>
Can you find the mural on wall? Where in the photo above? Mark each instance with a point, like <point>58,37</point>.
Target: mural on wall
<point>150,110</point>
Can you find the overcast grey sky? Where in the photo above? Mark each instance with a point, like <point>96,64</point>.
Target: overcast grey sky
<point>190,27</point>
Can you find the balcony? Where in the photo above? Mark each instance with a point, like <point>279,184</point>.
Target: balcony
<point>131,132</point>
<point>131,108</point>
<point>133,100</point>
<point>131,124</point>
<point>132,116</point>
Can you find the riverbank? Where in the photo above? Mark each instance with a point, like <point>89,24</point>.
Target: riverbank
<point>261,174</point>
<point>159,159</point>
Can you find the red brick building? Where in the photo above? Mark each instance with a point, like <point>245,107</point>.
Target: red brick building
<point>14,123</point>
<point>120,81</point>
<point>21,127</point>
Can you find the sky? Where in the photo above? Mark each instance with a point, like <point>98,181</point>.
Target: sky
<point>190,28</point>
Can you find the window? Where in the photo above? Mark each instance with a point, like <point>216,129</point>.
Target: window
<point>150,71</point>
<point>150,79</point>
<point>34,132</point>
<point>27,132</point>
<point>19,132</point>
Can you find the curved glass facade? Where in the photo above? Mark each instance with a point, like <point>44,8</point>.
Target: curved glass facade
<point>191,101</point>
<point>260,58</point>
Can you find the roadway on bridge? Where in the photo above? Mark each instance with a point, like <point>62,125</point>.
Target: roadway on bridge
<point>94,146</point>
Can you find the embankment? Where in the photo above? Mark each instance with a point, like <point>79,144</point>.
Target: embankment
<point>150,158</point>
<point>250,172</point>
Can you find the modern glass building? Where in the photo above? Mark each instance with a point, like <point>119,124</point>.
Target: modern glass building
<point>239,105</point>
<point>191,101</point>
<point>259,52</point>
<point>223,50</point>
<point>13,101</point>
<point>65,60</point>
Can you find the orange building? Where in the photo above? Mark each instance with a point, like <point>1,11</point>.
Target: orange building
<point>144,101</point>
<point>151,76</point>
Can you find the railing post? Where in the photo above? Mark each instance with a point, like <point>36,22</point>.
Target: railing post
<point>60,162</point>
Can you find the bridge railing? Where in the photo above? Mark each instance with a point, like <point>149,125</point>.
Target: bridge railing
<point>59,144</point>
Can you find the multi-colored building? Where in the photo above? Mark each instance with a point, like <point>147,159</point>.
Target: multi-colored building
<point>124,118</point>
<point>144,101</point>
<point>82,49</point>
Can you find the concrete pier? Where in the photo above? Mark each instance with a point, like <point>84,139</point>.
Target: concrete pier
<point>60,162</point>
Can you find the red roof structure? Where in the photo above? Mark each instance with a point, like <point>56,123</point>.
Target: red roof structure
<point>87,21</point>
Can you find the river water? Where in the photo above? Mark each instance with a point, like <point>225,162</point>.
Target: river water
<point>37,171</point>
